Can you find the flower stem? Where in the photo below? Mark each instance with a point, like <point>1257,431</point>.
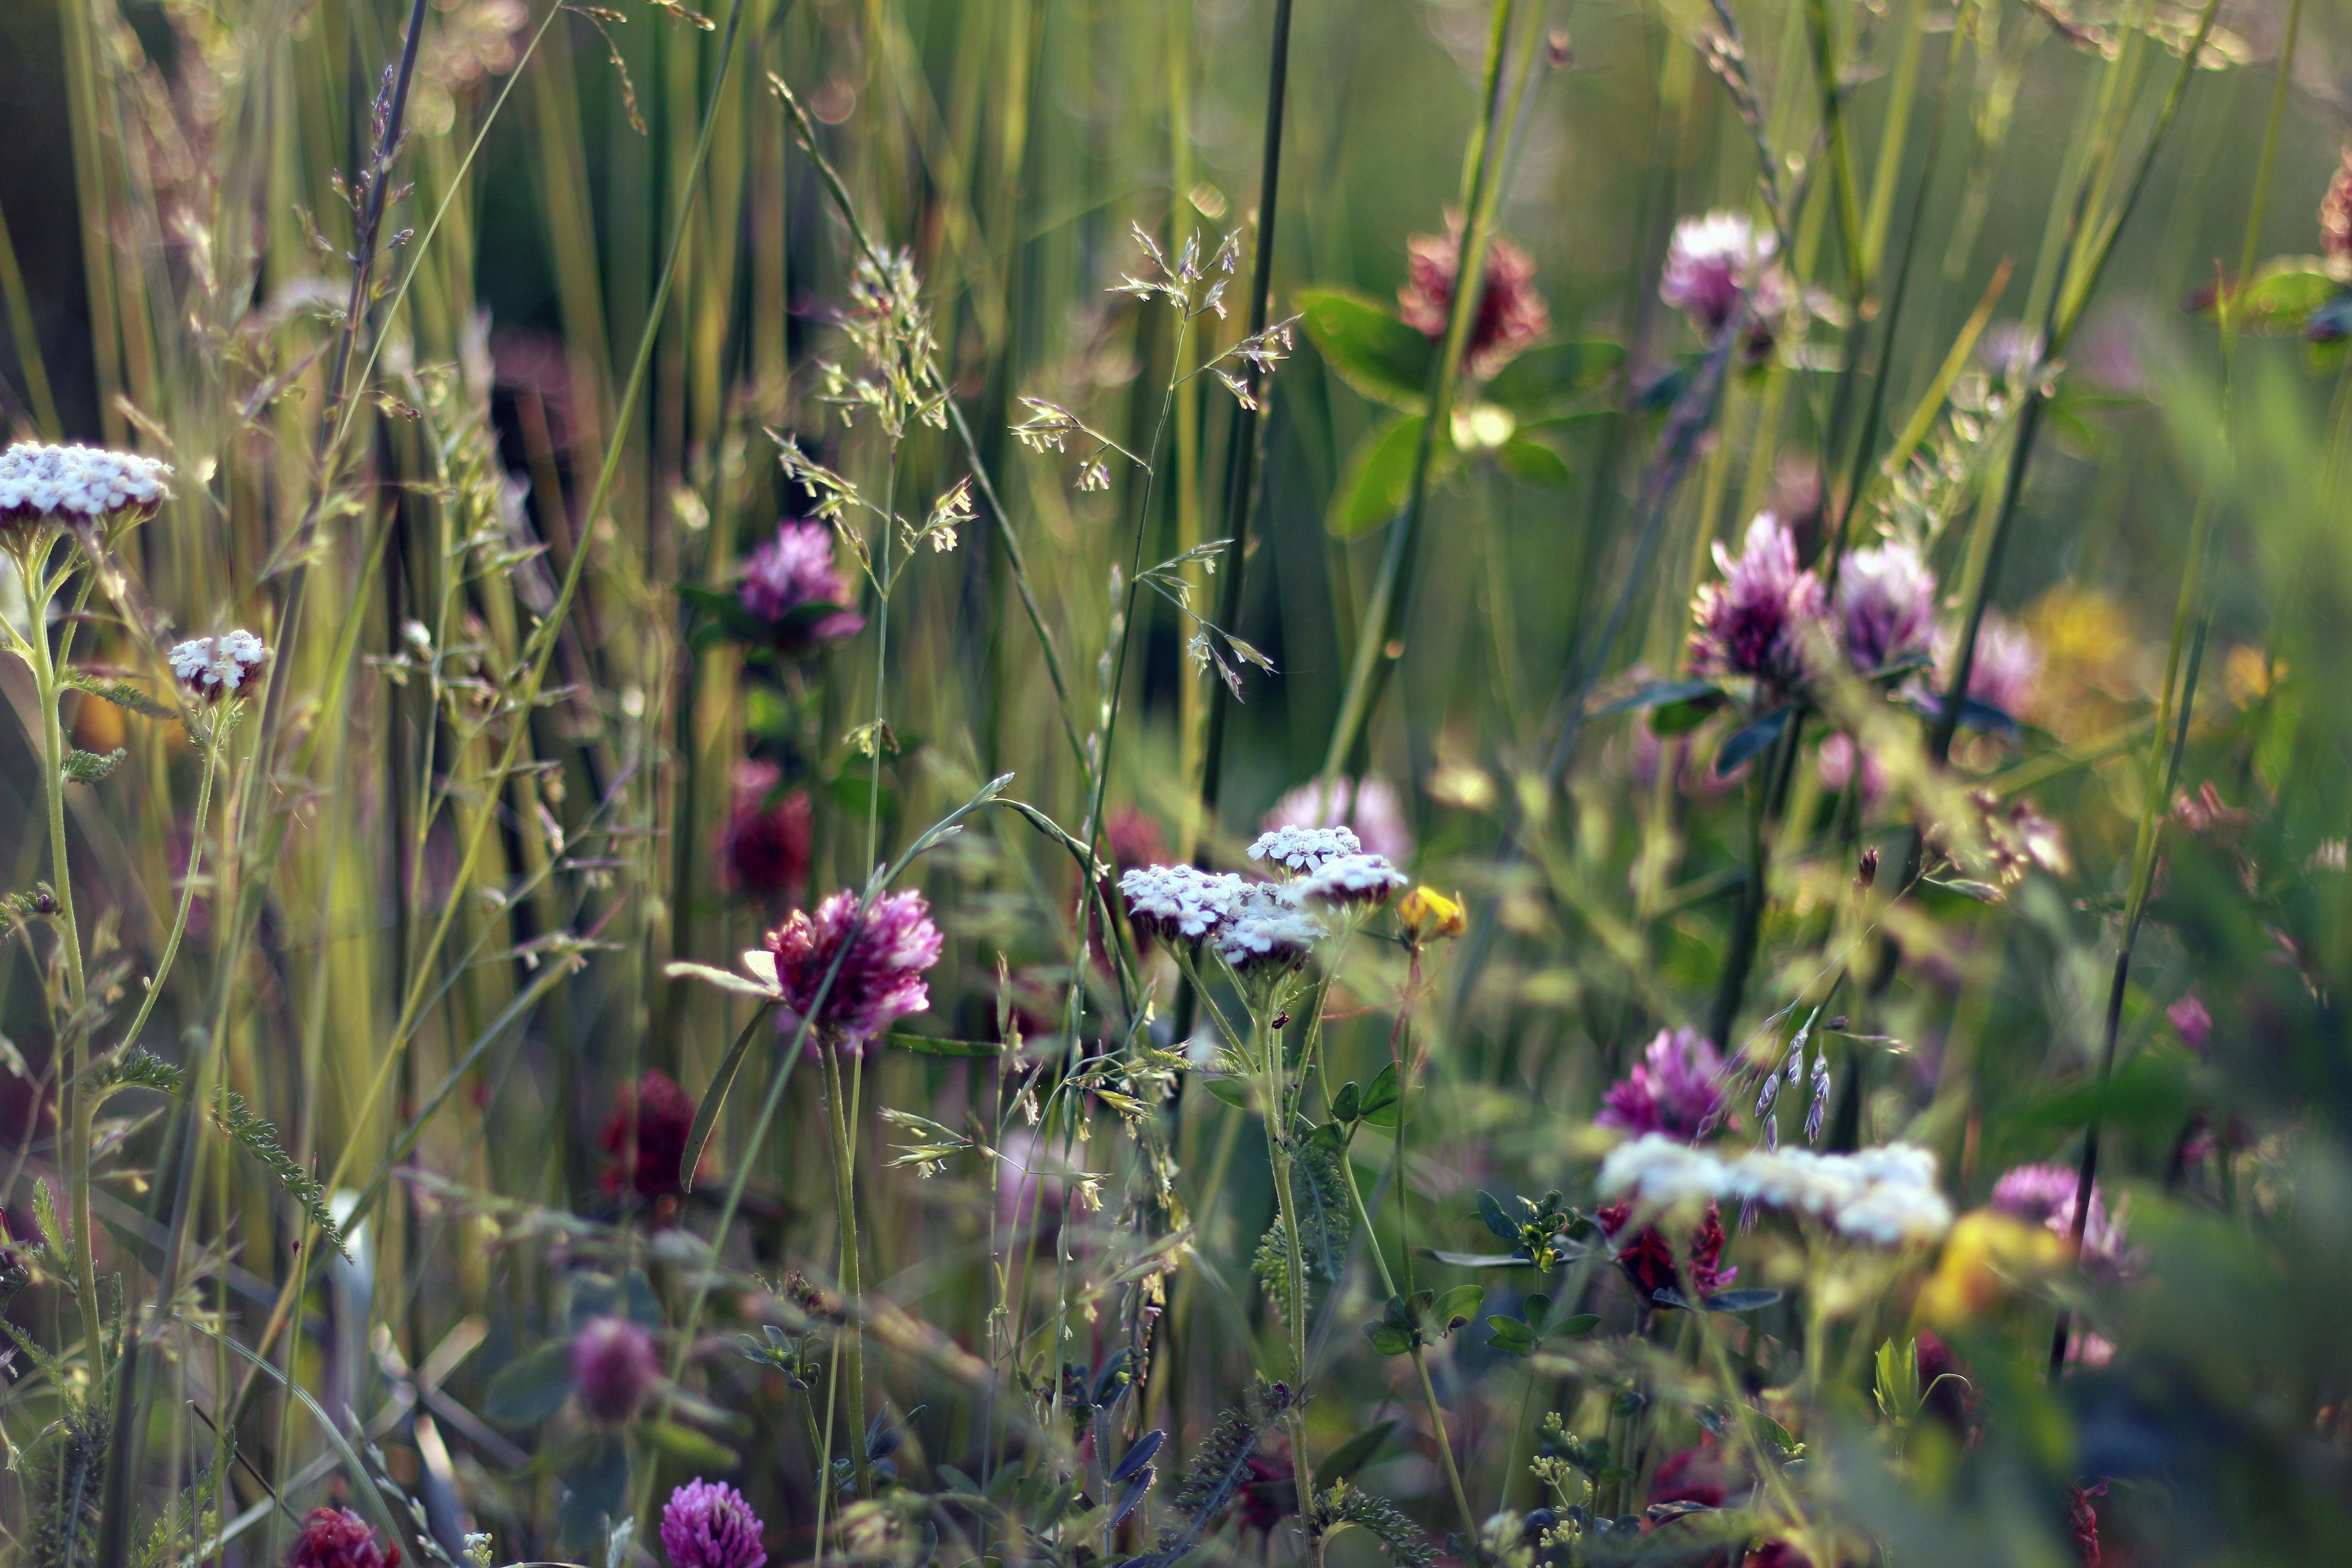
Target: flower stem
<point>77,1111</point>
<point>852,1343</point>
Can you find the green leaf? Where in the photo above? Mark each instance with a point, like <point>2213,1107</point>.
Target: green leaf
<point>932,1046</point>
<point>1232,1091</point>
<point>1490,1211</point>
<point>1533,463</point>
<point>1455,1307</point>
<point>122,693</point>
<point>1542,378</point>
<point>1741,1301</point>
<point>1746,742</point>
<point>689,1447</point>
<point>714,1098</point>
<point>2283,293</point>
<point>1348,1105</point>
<point>1476,1259</point>
<point>1377,476</point>
<point>528,1390</point>
<point>1666,694</point>
<point>1510,1336</point>
<point>1387,1340</point>
<point>2146,1093</point>
<point>89,767</point>
<point>1367,347</point>
<point>1381,1100</point>
<point>1577,1327</point>
<point>1353,1454</point>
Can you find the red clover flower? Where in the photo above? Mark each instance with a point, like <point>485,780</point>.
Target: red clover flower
<point>880,979</point>
<point>764,845</point>
<point>1754,622</point>
<point>1673,1089</point>
<point>613,1367</point>
<point>792,573</point>
<point>706,1524</point>
<point>338,1538</point>
<point>1511,314</point>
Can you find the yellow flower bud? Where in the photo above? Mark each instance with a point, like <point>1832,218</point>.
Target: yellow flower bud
<point>1427,914</point>
<point>1987,1256</point>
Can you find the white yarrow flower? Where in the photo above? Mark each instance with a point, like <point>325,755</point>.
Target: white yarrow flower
<point>1351,882</point>
<point>1179,903</point>
<point>76,484</point>
<point>1266,930</point>
<point>1305,848</point>
<point>213,668</point>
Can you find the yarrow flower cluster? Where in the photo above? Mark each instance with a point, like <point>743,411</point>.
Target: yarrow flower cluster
<point>880,978</point>
<point>1297,847</point>
<point>1352,883</point>
<point>1266,930</point>
<point>706,1524</point>
<point>338,1538</point>
<point>1180,902</point>
<point>211,668</point>
<point>1754,622</point>
<point>1887,604</point>
<point>1712,261</point>
<point>1884,1197</point>
<point>78,484</point>
<point>793,572</point>
<point>1671,1091</point>
<point>1511,313</point>
<point>613,1367</point>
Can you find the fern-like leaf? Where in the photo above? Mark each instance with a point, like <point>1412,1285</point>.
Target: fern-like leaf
<point>144,1069</point>
<point>67,1536</point>
<point>1220,1467</point>
<point>1342,1505</point>
<point>1320,1202</point>
<point>122,693</point>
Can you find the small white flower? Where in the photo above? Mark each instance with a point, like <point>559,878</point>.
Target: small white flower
<point>213,668</point>
<point>1352,881</point>
<point>1659,1172</point>
<point>76,484</point>
<point>1896,1214</point>
<point>1180,902</point>
<point>1305,848</point>
<point>1266,929</point>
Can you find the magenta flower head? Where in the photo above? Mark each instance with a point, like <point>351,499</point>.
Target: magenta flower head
<point>1511,315</point>
<point>1886,603</point>
<point>792,584</point>
<point>338,1538</point>
<point>1673,1089</point>
<point>2006,667</point>
<point>1371,808</point>
<point>2045,1196</point>
<point>613,1367</point>
<point>706,1524</point>
<point>1754,622</point>
<point>881,976</point>
<point>1709,264</point>
<point>2191,1021</point>
<point>764,846</point>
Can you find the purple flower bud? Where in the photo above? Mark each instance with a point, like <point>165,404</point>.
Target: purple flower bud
<point>338,1538</point>
<point>1754,622</point>
<point>706,1524</point>
<point>1673,1089</point>
<point>792,573</point>
<point>1886,601</point>
<point>613,1367</point>
<point>2194,1023</point>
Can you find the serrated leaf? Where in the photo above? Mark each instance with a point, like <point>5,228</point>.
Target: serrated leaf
<point>122,693</point>
<point>1367,347</point>
<point>89,767</point>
